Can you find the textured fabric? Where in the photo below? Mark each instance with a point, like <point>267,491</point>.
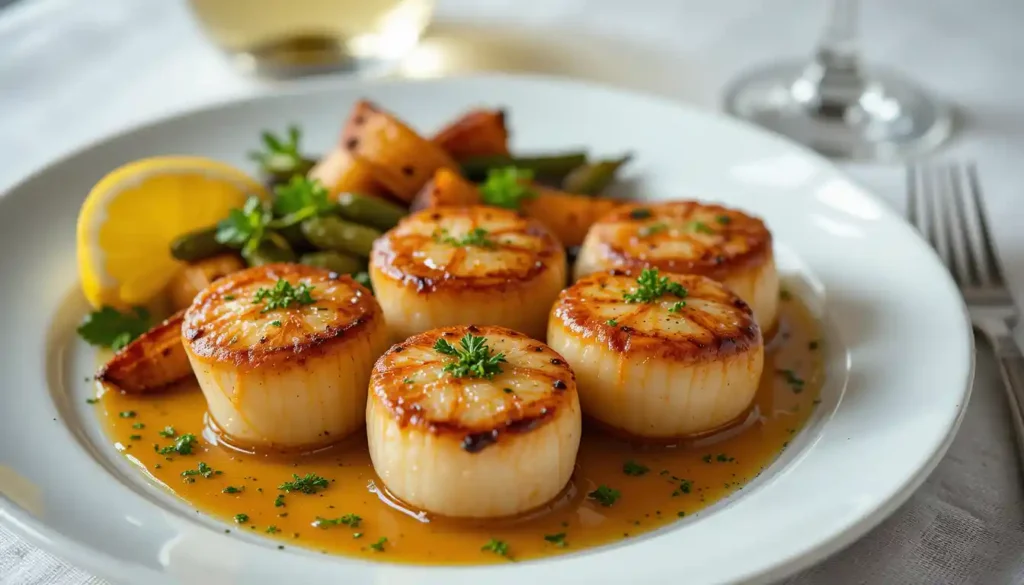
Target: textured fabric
<point>964,526</point>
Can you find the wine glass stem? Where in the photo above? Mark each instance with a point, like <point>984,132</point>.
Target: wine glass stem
<point>838,45</point>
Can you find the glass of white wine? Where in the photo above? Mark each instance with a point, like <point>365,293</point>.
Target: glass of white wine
<point>284,38</point>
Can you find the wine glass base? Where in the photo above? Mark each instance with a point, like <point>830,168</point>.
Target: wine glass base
<point>882,117</point>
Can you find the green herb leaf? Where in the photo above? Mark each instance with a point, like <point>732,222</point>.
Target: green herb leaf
<point>182,445</point>
<point>473,358</point>
<point>284,295</point>
<point>507,187</point>
<point>635,469</point>
<point>301,198</point>
<point>350,520</point>
<point>91,400</point>
<point>281,156</point>
<point>126,414</point>
<point>556,539</point>
<point>309,484</point>
<point>168,432</point>
<point>233,490</point>
<point>650,230</point>
<point>111,328</point>
<point>651,287</point>
<point>271,529</point>
<point>241,518</point>
<point>795,382</point>
<point>701,228</point>
<point>723,219</point>
<point>497,547</point>
<point>139,426</point>
<point>677,306</point>
<point>202,469</point>
<point>279,501</point>
<point>476,237</point>
<point>246,228</point>
<point>640,213</point>
<point>379,545</point>
<point>605,495</point>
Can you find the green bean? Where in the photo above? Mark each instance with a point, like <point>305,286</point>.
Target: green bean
<point>372,211</point>
<point>554,166</point>
<point>592,178</point>
<point>295,238</point>
<point>334,261</point>
<point>269,252</point>
<point>363,278</point>
<point>337,235</point>
<point>198,245</point>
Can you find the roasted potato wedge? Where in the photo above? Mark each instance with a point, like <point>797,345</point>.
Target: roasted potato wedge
<point>154,361</point>
<point>198,275</point>
<point>341,172</point>
<point>568,215</point>
<point>402,160</point>
<point>446,189</point>
<point>477,133</point>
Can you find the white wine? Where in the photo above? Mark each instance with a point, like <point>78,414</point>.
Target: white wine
<point>285,37</point>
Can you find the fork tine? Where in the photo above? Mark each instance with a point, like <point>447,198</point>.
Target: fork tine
<point>913,209</point>
<point>917,202</point>
<point>979,236</point>
<point>956,224</point>
<point>935,204</point>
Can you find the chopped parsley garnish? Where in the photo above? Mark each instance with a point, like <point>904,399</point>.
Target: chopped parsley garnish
<point>723,458</point>
<point>284,295</point>
<point>139,426</point>
<point>350,520</point>
<point>182,445</point>
<point>509,391</point>
<point>241,518</point>
<point>473,358</point>
<point>301,198</point>
<point>611,323</point>
<point>706,458</point>
<point>685,486</point>
<point>111,328</point>
<point>723,219</point>
<point>507,187</point>
<point>275,323</point>
<point>91,400</point>
<point>795,382</point>
<point>126,414</point>
<point>498,547</point>
<point>279,501</point>
<point>281,156</point>
<point>247,228</point>
<point>640,213</point>
<point>650,230</point>
<point>408,381</point>
<point>701,228</point>
<point>307,485</point>
<point>556,539</point>
<point>635,469</point>
<point>677,306</point>
<point>135,437</point>
<point>233,490</point>
<point>272,529</point>
<point>229,297</point>
<point>681,514</point>
<point>476,237</point>
<point>357,535</point>
<point>168,432</point>
<point>379,545</point>
<point>651,287</point>
<point>605,495</point>
<point>202,469</point>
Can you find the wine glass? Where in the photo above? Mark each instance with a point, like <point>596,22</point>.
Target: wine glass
<point>834,106</point>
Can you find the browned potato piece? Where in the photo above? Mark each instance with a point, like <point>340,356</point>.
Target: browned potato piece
<point>196,276</point>
<point>477,133</point>
<point>341,172</point>
<point>401,159</point>
<point>568,215</point>
<point>154,361</point>
<point>446,189</point>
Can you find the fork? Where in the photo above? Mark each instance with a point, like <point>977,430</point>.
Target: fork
<point>944,203</point>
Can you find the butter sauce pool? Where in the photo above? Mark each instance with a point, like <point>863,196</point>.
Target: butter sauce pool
<point>655,485</point>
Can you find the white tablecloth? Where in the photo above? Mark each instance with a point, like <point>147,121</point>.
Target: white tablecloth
<point>71,72</point>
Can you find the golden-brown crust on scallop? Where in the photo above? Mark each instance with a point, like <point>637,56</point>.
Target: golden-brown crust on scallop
<point>522,249</point>
<point>225,324</point>
<point>709,323</point>
<point>718,239</point>
<point>547,381</point>
<point>153,361</point>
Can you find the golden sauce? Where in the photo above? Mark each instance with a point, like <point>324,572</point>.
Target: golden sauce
<point>678,482</point>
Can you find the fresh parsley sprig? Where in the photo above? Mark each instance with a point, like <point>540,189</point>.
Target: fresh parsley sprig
<point>111,328</point>
<point>248,227</point>
<point>473,359</point>
<point>299,199</point>
<point>308,484</point>
<point>281,157</point>
<point>350,520</point>
<point>651,287</point>
<point>507,187</point>
<point>284,295</point>
<point>476,237</point>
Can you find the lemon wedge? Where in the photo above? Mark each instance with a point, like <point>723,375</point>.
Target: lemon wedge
<point>132,215</point>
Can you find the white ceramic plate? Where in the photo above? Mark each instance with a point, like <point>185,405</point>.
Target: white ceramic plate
<point>899,348</point>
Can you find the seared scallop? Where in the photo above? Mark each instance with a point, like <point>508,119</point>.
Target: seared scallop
<point>464,265</point>
<point>658,356</point>
<point>473,422</point>
<point>283,354</point>
<point>689,237</point>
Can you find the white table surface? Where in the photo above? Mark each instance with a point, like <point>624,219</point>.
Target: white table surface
<point>74,71</point>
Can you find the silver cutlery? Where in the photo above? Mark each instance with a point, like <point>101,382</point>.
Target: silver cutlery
<point>945,204</point>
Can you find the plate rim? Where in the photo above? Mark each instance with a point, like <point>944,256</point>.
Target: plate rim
<point>98,561</point>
